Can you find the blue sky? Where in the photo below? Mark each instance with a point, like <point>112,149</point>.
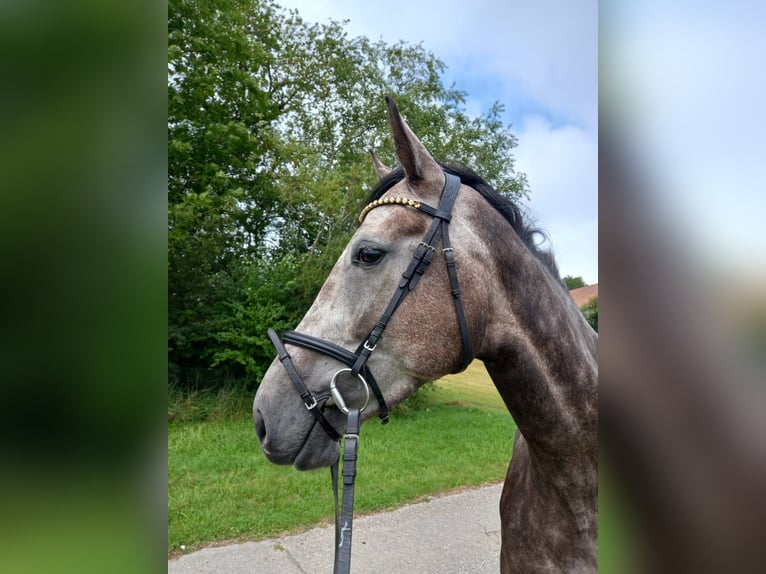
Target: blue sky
<point>540,60</point>
<point>687,90</point>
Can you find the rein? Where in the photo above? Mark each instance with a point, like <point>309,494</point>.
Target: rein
<point>357,361</point>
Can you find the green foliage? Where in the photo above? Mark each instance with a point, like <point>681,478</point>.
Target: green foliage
<point>574,282</point>
<point>220,197</point>
<point>590,311</point>
<point>270,120</point>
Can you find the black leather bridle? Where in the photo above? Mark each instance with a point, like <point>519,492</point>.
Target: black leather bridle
<point>357,361</point>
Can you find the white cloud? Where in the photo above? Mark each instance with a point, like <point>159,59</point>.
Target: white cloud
<point>560,163</point>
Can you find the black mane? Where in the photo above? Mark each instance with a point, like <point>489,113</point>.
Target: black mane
<point>527,232</point>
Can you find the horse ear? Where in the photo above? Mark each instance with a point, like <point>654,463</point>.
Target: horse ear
<point>418,165</point>
<point>380,168</point>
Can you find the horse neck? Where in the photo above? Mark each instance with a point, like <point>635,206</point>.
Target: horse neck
<point>541,354</point>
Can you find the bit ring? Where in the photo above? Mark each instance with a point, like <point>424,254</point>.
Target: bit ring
<point>335,392</point>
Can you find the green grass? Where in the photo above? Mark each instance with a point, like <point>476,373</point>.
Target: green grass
<point>208,406</point>
<point>221,488</point>
<point>471,388</point>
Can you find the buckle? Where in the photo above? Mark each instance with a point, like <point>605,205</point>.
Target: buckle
<point>313,403</point>
<point>367,346</point>
<point>427,246</point>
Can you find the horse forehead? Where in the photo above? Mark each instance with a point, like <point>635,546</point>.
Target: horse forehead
<point>396,220</point>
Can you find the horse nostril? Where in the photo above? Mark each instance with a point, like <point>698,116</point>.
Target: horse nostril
<point>260,427</point>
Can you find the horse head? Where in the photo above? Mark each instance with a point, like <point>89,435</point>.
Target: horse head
<point>423,339</point>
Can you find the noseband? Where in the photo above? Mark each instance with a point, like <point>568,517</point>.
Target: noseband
<point>356,361</point>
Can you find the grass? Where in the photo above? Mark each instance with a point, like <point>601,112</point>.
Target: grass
<point>221,488</point>
<point>207,406</point>
<point>471,388</point>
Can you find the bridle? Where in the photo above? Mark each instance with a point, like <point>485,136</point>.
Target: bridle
<point>357,361</point>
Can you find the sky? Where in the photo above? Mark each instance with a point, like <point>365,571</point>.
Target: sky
<point>686,83</point>
<point>539,59</point>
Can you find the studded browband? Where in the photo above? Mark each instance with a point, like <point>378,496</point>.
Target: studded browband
<point>388,201</point>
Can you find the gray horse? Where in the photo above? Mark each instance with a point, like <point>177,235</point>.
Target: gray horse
<point>519,320</point>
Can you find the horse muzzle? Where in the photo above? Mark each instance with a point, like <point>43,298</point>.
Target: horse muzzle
<point>306,447</point>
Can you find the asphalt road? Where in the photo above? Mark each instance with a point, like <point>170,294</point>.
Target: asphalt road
<point>451,534</point>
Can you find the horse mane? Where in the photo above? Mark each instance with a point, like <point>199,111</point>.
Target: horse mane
<point>527,231</point>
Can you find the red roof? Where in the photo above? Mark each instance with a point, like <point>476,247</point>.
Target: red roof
<point>582,295</point>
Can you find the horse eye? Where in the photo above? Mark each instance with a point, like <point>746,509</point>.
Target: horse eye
<point>369,255</point>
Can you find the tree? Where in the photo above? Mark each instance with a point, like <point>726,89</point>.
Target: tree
<point>590,311</point>
<point>574,282</point>
<point>220,136</point>
<point>332,104</point>
<point>269,123</point>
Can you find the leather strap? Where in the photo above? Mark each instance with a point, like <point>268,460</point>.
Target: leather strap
<point>449,257</point>
<point>344,516</point>
<point>344,356</point>
<point>309,400</point>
